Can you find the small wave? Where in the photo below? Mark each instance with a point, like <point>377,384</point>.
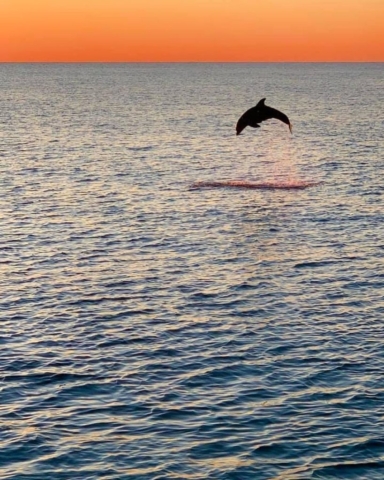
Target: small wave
<point>275,185</point>
<point>323,263</point>
<point>358,469</point>
<point>141,149</point>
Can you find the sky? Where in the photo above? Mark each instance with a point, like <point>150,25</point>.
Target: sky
<point>191,30</point>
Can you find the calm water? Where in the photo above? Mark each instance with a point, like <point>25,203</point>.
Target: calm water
<point>153,332</point>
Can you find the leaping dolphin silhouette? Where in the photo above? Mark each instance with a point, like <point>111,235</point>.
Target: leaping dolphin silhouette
<point>258,114</point>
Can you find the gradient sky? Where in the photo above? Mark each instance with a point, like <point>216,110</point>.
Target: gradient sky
<point>191,30</point>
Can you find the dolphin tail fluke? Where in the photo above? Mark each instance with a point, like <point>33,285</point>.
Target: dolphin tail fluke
<point>273,113</point>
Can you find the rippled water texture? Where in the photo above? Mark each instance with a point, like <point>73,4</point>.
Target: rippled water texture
<point>151,331</point>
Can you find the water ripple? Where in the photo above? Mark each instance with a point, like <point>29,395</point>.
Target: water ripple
<point>154,332</point>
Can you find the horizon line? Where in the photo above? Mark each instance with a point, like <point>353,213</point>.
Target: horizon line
<point>188,61</point>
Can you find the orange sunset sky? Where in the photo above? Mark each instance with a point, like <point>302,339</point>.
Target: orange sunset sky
<point>191,30</point>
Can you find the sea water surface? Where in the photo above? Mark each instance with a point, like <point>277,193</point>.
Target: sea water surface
<point>154,332</point>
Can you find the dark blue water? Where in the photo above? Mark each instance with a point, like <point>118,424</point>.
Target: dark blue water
<point>153,332</point>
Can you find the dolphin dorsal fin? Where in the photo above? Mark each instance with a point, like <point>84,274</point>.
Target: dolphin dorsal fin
<point>261,103</point>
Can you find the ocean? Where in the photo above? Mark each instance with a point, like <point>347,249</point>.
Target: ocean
<point>152,331</point>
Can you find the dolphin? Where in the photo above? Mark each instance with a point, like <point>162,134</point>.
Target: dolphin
<point>259,113</point>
